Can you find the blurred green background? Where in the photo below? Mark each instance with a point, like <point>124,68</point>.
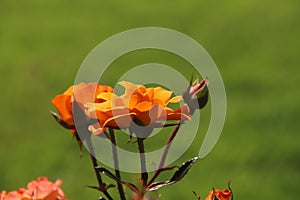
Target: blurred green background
<point>254,43</point>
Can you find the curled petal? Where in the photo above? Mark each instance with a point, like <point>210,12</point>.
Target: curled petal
<point>102,111</point>
<point>175,99</point>
<point>105,96</point>
<point>95,130</point>
<point>117,122</point>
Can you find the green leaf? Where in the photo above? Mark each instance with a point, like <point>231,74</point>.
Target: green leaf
<point>183,170</point>
<point>178,175</point>
<point>157,185</point>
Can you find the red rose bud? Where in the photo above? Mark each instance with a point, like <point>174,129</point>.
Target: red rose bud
<point>219,194</point>
<point>196,95</point>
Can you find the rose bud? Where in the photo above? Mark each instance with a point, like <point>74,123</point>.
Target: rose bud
<point>196,95</point>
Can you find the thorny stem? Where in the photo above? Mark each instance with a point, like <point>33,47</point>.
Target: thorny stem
<point>144,173</point>
<point>116,163</point>
<point>165,153</point>
<point>98,175</point>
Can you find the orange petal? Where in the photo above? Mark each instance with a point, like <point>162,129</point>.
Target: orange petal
<point>105,96</point>
<point>85,92</point>
<point>133,101</point>
<point>98,111</point>
<point>91,107</point>
<point>142,90</point>
<point>149,94</point>
<point>143,106</point>
<point>69,91</point>
<point>104,88</point>
<point>162,94</point>
<point>158,101</point>
<point>63,105</point>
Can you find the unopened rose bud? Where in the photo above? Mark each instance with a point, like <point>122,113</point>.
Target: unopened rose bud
<point>196,95</point>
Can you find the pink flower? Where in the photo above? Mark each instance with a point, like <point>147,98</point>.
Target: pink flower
<point>39,189</point>
<point>21,194</point>
<point>44,189</point>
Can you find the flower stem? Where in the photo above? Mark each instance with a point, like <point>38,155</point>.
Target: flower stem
<point>165,153</point>
<point>95,164</point>
<point>116,163</point>
<point>144,173</point>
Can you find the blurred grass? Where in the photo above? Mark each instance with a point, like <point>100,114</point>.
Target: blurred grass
<point>255,45</point>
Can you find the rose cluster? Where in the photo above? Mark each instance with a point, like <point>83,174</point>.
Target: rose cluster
<point>138,104</point>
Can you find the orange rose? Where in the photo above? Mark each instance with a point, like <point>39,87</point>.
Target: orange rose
<point>138,103</point>
<point>83,93</point>
<point>219,194</point>
<point>151,104</point>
